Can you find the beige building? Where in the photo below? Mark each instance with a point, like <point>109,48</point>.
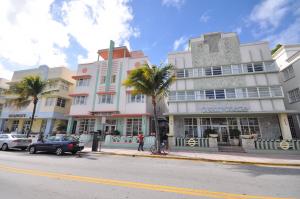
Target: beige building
<point>51,110</point>
<point>288,60</point>
<point>3,86</point>
<point>224,85</point>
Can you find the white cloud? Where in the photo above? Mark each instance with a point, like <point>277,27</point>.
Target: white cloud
<point>4,73</point>
<point>269,13</point>
<point>35,32</point>
<point>29,35</point>
<point>94,23</point>
<point>204,17</point>
<point>238,30</point>
<point>175,3</point>
<point>290,35</point>
<point>180,43</point>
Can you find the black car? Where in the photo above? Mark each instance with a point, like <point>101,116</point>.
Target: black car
<point>56,144</point>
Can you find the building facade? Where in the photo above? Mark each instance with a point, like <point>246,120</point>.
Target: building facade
<point>51,110</point>
<point>224,85</point>
<point>288,60</point>
<point>3,87</point>
<point>101,102</point>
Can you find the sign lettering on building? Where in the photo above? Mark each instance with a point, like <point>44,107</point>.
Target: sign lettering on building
<point>224,109</point>
<point>17,115</point>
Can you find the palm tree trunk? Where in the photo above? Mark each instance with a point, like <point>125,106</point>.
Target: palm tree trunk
<point>157,134</point>
<point>35,101</point>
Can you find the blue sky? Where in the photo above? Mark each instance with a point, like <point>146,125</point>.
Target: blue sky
<point>56,32</point>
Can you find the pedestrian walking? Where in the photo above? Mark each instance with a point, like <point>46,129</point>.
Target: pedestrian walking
<point>141,142</point>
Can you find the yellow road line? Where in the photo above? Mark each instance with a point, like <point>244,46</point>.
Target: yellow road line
<point>136,185</point>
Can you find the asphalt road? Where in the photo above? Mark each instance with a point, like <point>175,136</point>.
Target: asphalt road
<point>46,176</point>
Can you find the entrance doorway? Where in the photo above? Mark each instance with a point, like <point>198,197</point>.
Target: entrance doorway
<point>110,126</point>
<point>223,135</point>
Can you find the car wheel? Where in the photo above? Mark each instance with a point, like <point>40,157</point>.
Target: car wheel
<point>4,147</point>
<point>32,150</point>
<point>59,151</point>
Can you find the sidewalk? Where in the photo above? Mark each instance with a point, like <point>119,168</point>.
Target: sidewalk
<point>222,157</point>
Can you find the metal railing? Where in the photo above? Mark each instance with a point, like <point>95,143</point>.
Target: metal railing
<point>192,142</point>
<point>276,145</point>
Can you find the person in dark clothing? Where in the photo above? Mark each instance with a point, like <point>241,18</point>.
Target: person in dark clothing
<point>141,142</point>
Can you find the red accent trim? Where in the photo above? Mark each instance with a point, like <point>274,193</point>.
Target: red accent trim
<point>106,93</point>
<point>78,94</point>
<point>83,116</point>
<point>131,115</point>
<point>81,77</point>
<point>118,52</point>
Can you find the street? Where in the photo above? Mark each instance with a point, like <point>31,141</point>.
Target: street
<point>95,176</point>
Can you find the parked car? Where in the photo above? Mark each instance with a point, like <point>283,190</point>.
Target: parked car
<point>56,144</point>
<point>14,141</point>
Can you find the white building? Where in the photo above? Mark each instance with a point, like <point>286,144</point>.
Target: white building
<point>51,110</point>
<point>288,59</point>
<point>224,85</point>
<point>101,102</point>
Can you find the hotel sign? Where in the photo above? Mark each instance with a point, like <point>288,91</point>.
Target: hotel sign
<point>224,109</point>
<point>17,115</point>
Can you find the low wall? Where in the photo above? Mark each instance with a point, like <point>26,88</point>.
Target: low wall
<point>193,144</point>
<point>271,146</point>
<point>127,141</point>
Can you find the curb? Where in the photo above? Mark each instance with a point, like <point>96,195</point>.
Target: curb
<point>199,159</point>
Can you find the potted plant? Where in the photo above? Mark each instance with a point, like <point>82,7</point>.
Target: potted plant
<point>235,135</point>
<point>210,133</point>
<point>116,132</point>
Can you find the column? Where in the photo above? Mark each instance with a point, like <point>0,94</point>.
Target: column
<point>144,125</point>
<point>70,124</point>
<point>171,138</point>
<point>284,126</point>
<point>49,126</point>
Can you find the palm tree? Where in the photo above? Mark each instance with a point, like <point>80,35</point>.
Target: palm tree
<point>151,81</point>
<point>29,89</point>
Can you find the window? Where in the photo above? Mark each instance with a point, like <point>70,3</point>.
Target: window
<point>249,125</point>
<point>208,71</point>
<point>190,95</point>
<point>294,95</point>
<point>210,94</point>
<point>199,95</point>
<point>252,92</point>
<point>172,96</point>
<point>61,102</point>
<point>26,125</point>
<point>79,100</point>
<point>139,98</point>
<point>102,79</point>
<point>180,95</point>
<point>230,93</point>
<point>270,66</point>
<point>180,73</point>
<point>15,125</point>
<point>236,69</point>
<point>105,99</point>
<point>241,93</point>
<point>264,92</point>
<point>86,125</point>
<point>49,101</point>
<point>226,70</point>
<point>220,94</point>
<point>250,68</point>
<point>217,70</point>
<point>113,79</point>
<point>276,91</point>
<point>258,67</point>
<point>133,126</point>
<point>288,73</point>
<point>189,73</point>
<point>82,82</point>
<point>190,127</point>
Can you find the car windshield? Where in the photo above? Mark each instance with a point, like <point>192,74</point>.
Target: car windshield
<point>18,136</point>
